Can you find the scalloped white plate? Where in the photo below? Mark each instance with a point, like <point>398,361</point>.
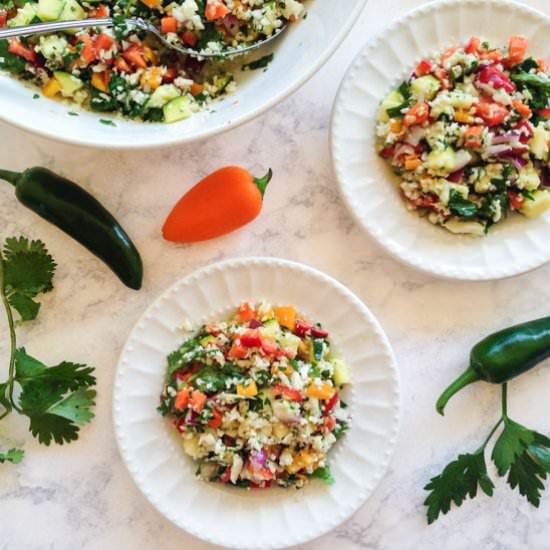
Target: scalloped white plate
<point>369,187</point>
<point>263,519</point>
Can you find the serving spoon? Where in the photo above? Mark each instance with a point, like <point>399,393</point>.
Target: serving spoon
<point>135,22</point>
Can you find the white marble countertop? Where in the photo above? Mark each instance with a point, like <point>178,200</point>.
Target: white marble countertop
<point>81,496</point>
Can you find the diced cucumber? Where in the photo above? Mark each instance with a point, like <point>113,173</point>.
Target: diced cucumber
<point>178,109</point>
<point>50,10</point>
<point>53,47</point>
<point>539,143</point>
<point>221,82</point>
<point>394,99</point>
<point>465,228</point>
<point>162,95</point>
<point>24,16</point>
<point>535,207</point>
<point>341,373</point>
<point>441,161</point>
<point>207,339</point>
<point>425,87</point>
<point>69,83</point>
<point>271,329</point>
<point>289,342</point>
<point>72,11</point>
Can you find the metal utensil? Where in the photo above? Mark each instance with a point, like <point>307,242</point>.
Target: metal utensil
<point>136,22</point>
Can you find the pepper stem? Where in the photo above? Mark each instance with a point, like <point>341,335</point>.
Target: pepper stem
<point>261,183</point>
<point>467,377</point>
<point>9,176</point>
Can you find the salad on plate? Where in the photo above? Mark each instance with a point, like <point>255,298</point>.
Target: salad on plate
<point>256,399</point>
<point>468,134</point>
<point>124,70</point>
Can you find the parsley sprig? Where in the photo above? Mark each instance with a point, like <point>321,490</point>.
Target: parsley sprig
<point>57,400</point>
<point>521,454</point>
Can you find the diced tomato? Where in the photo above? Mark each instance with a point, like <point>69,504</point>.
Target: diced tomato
<point>215,9</point>
<point>443,76</point>
<point>251,339</point>
<point>516,200</point>
<point>122,65</point>
<point>543,66</point>
<point>170,74</point>
<point>424,67</point>
<point>190,38</point>
<point>417,114</point>
<point>168,24</point>
<point>473,45</point>
<point>246,312</point>
<point>101,11</point>
<point>525,129</point>
<point>134,56</point>
<point>216,420</point>
<point>544,113</point>
<point>237,351</point>
<point>87,53</point>
<point>3,18</point>
<point>521,108</point>
<point>184,376</point>
<point>17,48</point>
<point>331,403</point>
<point>492,113</point>
<point>182,399</point>
<point>226,476</point>
<point>318,332</point>
<point>269,347</point>
<point>496,78</point>
<point>330,423</point>
<point>198,400</point>
<point>286,391</point>
<point>301,328</point>
<point>387,152</point>
<point>472,137</point>
<point>103,42</point>
<point>517,46</point>
<point>425,201</point>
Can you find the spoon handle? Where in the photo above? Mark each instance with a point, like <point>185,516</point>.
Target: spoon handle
<point>41,28</point>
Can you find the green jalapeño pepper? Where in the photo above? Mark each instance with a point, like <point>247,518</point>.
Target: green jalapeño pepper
<point>503,355</point>
<point>72,209</point>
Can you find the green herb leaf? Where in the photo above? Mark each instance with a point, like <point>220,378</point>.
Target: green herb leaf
<point>107,122</point>
<point>9,61</point>
<point>15,456</point>
<point>459,479</point>
<point>510,445</point>
<point>324,474</point>
<point>462,207</point>
<point>260,63</point>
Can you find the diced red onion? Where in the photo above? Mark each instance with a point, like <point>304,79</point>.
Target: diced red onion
<point>257,459</point>
<point>456,176</point>
<point>231,23</point>
<point>254,323</point>
<point>494,150</point>
<point>402,149</point>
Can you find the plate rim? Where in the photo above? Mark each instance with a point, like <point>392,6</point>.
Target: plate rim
<point>396,404</point>
<point>456,272</point>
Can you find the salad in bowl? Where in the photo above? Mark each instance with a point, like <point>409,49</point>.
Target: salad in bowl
<point>256,399</point>
<point>468,134</point>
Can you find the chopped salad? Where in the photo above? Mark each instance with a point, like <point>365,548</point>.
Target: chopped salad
<point>125,70</point>
<point>468,133</point>
<point>256,399</point>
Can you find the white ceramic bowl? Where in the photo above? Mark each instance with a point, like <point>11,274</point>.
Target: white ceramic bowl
<point>271,518</point>
<point>299,53</point>
<point>369,187</point>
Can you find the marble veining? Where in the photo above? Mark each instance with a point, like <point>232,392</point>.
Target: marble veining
<point>80,495</point>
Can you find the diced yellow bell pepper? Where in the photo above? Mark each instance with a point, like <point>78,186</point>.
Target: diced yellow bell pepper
<point>151,78</point>
<point>51,88</point>
<point>464,117</point>
<point>250,390</point>
<point>286,316</point>
<point>149,55</point>
<point>320,391</point>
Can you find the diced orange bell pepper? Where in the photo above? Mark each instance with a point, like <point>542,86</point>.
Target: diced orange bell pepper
<point>286,316</point>
<point>472,137</point>
<point>237,352</point>
<point>320,391</point>
<point>198,400</point>
<point>182,399</point>
<point>134,56</point>
<point>521,108</point>
<point>246,312</point>
<point>412,163</point>
<point>101,80</point>
<point>196,89</point>
<point>168,24</point>
<point>152,4</point>
<point>149,55</point>
<point>543,66</point>
<point>517,46</point>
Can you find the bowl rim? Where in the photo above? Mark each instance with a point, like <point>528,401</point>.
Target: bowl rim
<point>411,260</point>
<point>82,141</point>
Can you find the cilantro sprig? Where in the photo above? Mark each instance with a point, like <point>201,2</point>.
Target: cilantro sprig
<point>57,400</point>
<point>520,454</point>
